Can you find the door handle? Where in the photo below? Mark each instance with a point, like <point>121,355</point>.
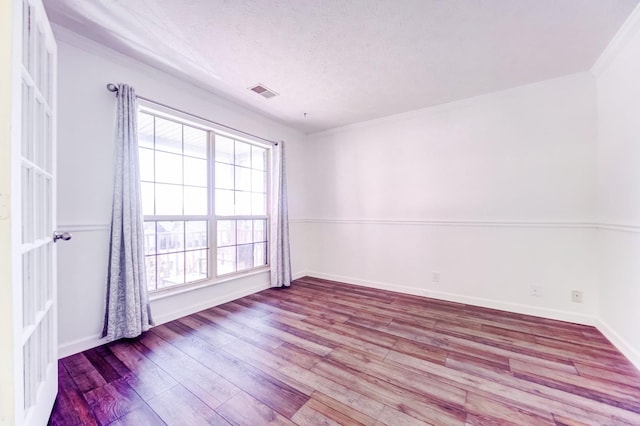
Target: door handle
<point>64,236</point>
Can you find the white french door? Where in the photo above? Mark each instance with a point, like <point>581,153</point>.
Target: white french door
<point>33,213</point>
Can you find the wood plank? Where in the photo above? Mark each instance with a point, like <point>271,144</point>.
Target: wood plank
<point>83,373</point>
<point>102,366</point>
<point>112,401</point>
<point>354,416</point>
<point>242,409</point>
<point>143,416</point>
<point>178,406</point>
<point>504,413</point>
<point>310,415</point>
<point>392,417</point>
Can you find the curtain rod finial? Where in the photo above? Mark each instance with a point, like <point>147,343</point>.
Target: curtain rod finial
<point>112,87</point>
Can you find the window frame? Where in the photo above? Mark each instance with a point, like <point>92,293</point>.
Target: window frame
<point>213,277</point>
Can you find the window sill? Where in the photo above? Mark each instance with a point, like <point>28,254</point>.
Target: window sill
<point>163,294</point>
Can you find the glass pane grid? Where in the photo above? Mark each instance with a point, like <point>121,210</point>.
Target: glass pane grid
<point>177,252</point>
<point>175,177</point>
<point>240,191</point>
<point>241,245</point>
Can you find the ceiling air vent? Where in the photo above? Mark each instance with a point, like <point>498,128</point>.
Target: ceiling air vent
<point>263,91</point>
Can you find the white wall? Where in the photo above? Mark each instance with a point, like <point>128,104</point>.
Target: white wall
<point>618,151</point>
<point>495,193</point>
<point>85,159</point>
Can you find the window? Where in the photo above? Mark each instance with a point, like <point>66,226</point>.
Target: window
<point>240,205</point>
<point>179,166</point>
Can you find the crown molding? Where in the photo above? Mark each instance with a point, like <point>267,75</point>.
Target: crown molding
<point>618,42</point>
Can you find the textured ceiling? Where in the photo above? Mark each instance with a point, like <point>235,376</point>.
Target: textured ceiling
<point>345,61</point>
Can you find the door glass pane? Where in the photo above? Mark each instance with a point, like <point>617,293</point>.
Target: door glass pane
<point>48,202</point>
<point>38,127</point>
<point>27,289</point>
<point>26,34</point>
<point>28,188</point>
<point>27,124</point>
<point>49,271</point>
<point>48,130</point>
<point>40,208</point>
<point>49,76</point>
<point>39,55</point>
<point>28,354</point>
<point>41,284</point>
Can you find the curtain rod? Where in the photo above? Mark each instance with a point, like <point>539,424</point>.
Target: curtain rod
<point>113,88</point>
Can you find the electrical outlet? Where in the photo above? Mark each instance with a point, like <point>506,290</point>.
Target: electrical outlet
<point>435,277</point>
<point>576,296</point>
<point>535,291</point>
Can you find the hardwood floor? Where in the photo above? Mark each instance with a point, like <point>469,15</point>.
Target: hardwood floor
<point>325,353</point>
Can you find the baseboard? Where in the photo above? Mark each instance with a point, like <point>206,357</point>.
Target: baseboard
<point>536,311</point>
<point>468,300</point>
<point>623,346</point>
<point>79,345</point>
<point>366,283</point>
<point>163,318</point>
<point>299,274</point>
<point>90,342</point>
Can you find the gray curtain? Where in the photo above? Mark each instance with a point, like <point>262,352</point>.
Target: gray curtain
<point>128,313</point>
<point>280,260</point>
